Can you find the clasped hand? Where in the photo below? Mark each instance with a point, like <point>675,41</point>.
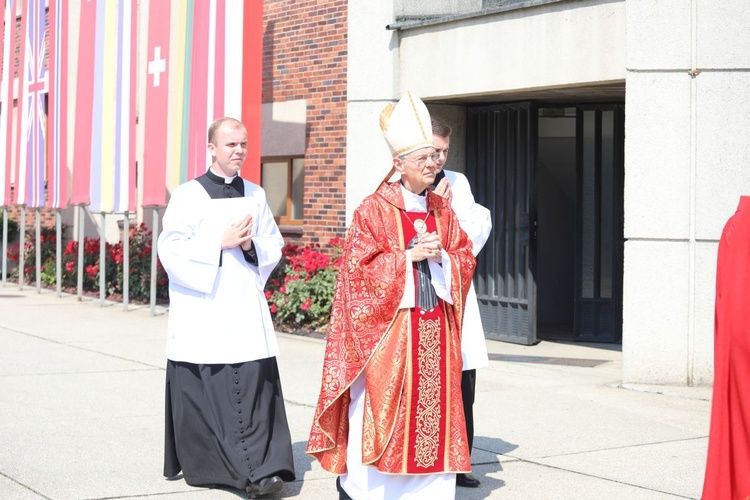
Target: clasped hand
<point>427,247</point>
<point>444,189</point>
<point>239,233</point>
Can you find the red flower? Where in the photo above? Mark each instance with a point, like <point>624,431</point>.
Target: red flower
<point>71,247</point>
<point>306,304</point>
<point>268,294</point>
<point>91,271</point>
<point>273,309</point>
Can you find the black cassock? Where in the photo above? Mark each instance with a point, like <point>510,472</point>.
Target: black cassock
<point>226,423</point>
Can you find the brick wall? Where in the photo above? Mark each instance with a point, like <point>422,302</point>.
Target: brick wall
<point>305,57</point>
<point>14,213</point>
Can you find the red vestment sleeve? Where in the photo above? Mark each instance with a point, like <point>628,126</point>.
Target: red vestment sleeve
<point>728,464</point>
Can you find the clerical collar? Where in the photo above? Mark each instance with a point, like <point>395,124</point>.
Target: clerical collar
<point>219,179</point>
<point>401,181</point>
<point>413,202</point>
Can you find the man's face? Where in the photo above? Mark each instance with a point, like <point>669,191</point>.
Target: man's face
<point>230,148</point>
<point>417,169</point>
<point>441,149</point>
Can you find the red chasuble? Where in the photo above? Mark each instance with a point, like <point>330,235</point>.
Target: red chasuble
<point>413,414</point>
<point>728,465</point>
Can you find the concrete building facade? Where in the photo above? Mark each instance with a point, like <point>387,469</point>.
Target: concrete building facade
<point>630,121</point>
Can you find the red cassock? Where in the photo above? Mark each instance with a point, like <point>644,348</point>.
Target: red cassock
<point>413,416</point>
<point>728,464</point>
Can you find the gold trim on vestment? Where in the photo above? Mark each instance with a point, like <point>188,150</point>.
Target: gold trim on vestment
<point>427,431</point>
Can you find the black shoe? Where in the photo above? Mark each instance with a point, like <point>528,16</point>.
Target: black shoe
<point>467,481</point>
<point>266,486</point>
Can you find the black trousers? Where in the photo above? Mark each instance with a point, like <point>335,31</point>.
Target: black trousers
<point>468,388</point>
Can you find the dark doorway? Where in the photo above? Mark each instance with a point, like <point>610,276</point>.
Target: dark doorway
<point>579,211</point>
<point>552,176</point>
<point>556,220</point>
<point>600,133</point>
<point>500,154</point>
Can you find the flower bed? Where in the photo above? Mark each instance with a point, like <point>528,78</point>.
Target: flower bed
<point>139,272</point>
<point>299,291</point>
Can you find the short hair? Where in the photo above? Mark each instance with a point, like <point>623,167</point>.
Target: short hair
<point>440,128</point>
<point>233,122</point>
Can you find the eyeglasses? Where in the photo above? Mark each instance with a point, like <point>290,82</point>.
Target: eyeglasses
<point>422,159</point>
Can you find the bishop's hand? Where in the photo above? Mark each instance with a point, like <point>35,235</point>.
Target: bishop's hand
<point>432,246</point>
<point>428,246</point>
<point>239,233</point>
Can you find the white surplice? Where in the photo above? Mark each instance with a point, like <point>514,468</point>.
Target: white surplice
<point>218,313</point>
<point>476,221</point>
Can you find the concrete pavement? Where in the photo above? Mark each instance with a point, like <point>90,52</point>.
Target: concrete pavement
<point>82,414</point>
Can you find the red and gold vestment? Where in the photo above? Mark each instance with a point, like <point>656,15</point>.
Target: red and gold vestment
<point>413,415</point>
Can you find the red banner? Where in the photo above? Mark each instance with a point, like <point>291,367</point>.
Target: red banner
<point>6,88</point>
<point>252,87</point>
<point>81,192</point>
<point>157,104</point>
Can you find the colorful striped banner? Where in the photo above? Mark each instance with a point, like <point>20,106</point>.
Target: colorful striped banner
<point>31,139</point>
<point>81,188</point>
<point>57,177</point>
<point>106,107</point>
<point>202,86</point>
<point>8,9</point>
<point>197,99</point>
<point>2,16</point>
<point>3,44</point>
<point>113,119</point>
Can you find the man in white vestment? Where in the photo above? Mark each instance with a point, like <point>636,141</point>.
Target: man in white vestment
<point>226,423</point>
<point>476,221</point>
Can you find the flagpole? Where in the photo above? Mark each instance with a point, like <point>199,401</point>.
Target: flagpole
<point>80,251</point>
<point>155,231</point>
<point>126,262</point>
<point>58,251</point>
<point>102,258</point>
<point>5,243</point>
<point>38,251</point>
<point>22,247</point>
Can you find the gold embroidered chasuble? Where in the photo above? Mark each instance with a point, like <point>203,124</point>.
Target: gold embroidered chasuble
<point>413,415</point>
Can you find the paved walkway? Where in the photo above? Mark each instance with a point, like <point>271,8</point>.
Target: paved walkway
<point>82,414</point>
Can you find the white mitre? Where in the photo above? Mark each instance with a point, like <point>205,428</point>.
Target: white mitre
<point>407,125</point>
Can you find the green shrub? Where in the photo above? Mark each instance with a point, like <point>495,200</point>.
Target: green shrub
<point>12,228</point>
<point>300,291</point>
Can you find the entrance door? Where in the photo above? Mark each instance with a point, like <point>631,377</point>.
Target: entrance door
<point>500,159</point>
<point>599,235</point>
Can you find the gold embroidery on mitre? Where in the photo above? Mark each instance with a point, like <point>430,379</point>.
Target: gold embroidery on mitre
<point>428,399</point>
<point>385,116</point>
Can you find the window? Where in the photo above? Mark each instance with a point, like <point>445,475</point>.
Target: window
<point>283,181</point>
